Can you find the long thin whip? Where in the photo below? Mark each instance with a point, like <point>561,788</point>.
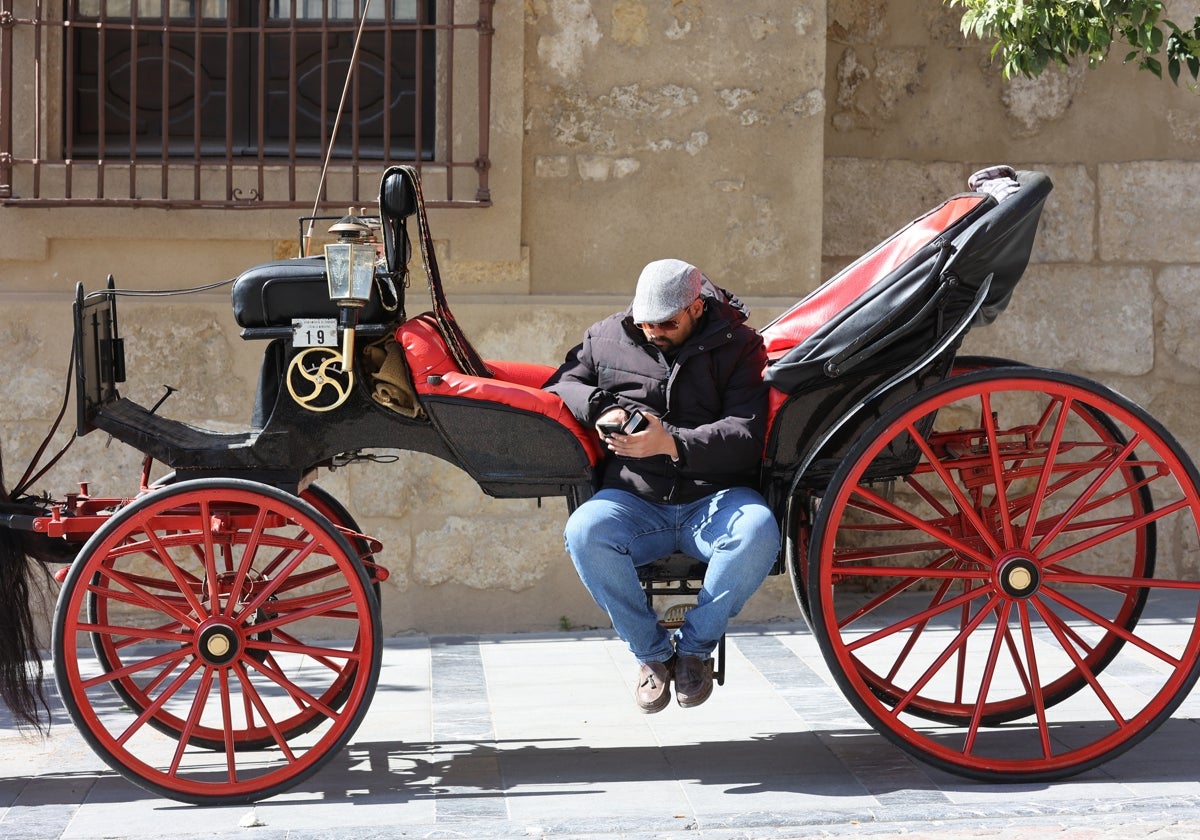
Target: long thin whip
<point>337,121</point>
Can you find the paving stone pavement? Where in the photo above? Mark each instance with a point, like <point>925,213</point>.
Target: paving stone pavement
<point>519,736</point>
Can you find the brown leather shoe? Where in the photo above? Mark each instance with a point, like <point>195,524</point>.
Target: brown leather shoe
<point>693,680</point>
<point>654,686</point>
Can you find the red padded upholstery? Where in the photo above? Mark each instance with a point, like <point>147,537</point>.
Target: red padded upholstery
<point>775,401</point>
<point>522,373</point>
<point>840,291</point>
<point>425,350</point>
<point>428,356</point>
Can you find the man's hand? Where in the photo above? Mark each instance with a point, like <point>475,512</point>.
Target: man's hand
<point>653,440</point>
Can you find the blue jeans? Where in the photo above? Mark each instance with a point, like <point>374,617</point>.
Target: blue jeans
<point>614,532</point>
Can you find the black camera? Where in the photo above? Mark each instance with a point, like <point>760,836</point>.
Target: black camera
<point>634,423</point>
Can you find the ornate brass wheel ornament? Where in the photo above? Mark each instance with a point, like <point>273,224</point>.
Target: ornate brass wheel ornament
<point>320,378</point>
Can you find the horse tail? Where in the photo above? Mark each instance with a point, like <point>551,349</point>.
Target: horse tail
<point>22,686</point>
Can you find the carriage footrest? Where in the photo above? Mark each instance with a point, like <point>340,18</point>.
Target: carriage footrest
<point>679,574</point>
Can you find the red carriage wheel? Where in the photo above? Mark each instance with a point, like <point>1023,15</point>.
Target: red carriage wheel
<point>233,614</point>
<point>108,651</point>
<point>1097,429</point>
<point>799,520</point>
<point>984,555</point>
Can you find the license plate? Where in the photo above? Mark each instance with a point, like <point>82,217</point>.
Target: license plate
<point>314,332</point>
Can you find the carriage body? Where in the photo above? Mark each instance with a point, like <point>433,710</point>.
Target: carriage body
<point>973,542</point>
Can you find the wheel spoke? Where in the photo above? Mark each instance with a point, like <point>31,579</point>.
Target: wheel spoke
<point>241,577</point>
<point>162,698</point>
<point>1034,686</point>
<point>185,584</point>
<point>900,515</point>
<point>1111,534</point>
<point>959,641</point>
<point>326,609</point>
<point>1001,609</point>
<point>251,693</point>
<point>141,597</point>
<point>917,619</point>
<point>965,507</point>
<point>174,657</point>
<point>1001,501</point>
<point>1082,666</point>
<point>134,635</point>
<point>296,692</point>
<point>1043,483</point>
<point>1091,490</point>
<point>1116,629</point>
<point>199,700</point>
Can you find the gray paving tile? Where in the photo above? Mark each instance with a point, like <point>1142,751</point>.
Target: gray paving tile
<point>461,742</point>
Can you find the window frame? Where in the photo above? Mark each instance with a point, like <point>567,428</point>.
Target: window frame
<point>259,174</point>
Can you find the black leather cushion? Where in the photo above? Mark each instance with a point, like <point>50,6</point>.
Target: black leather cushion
<point>272,294</point>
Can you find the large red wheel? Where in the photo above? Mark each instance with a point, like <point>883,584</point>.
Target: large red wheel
<point>108,651</point>
<point>982,576</point>
<point>231,616</point>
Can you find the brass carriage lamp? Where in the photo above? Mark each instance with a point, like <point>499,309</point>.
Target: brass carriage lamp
<point>350,262</point>
<point>350,270</point>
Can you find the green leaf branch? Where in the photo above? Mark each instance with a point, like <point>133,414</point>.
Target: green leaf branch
<point>1030,35</point>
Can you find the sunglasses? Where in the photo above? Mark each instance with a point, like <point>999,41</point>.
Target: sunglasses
<point>672,324</point>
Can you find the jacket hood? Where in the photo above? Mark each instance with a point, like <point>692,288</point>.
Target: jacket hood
<point>710,289</point>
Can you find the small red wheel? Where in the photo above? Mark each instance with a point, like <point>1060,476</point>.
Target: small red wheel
<point>984,555</point>
<point>211,600</point>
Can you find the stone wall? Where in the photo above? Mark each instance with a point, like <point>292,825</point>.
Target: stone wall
<point>769,142</point>
<point>685,129</point>
<point>623,130</point>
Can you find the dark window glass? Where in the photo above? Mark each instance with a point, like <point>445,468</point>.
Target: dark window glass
<point>212,78</point>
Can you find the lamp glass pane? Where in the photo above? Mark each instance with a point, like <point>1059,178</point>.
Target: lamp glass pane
<point>337,270</point>
<point>362,272</point>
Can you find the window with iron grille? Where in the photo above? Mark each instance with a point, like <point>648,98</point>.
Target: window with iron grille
<point>230,87</point>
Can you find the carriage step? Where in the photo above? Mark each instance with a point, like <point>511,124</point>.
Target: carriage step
<point>673,618</point>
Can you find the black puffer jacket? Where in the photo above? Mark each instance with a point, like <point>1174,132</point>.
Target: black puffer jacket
<point>712,400</point>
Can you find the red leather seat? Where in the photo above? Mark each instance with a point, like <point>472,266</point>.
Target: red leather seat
<point>515,384</point>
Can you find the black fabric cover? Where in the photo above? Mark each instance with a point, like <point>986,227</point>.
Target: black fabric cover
<point>994,239</point>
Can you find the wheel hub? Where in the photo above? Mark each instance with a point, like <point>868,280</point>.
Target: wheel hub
<point>218,644</point>
<point>1019,576</point>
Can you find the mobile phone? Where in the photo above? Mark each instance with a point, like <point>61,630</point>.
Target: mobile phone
<point>608,428</point>
<point>637,422</point>
<point>634,423</point>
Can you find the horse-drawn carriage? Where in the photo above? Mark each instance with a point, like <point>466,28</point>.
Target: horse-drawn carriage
<point>975,543</point>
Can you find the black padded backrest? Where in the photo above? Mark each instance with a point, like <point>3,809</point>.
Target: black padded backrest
<point>397,197</point>
<point>397,202</point>
<point>99,355</point>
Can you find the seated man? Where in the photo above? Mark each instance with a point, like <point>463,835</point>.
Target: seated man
<point>685,359</point>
